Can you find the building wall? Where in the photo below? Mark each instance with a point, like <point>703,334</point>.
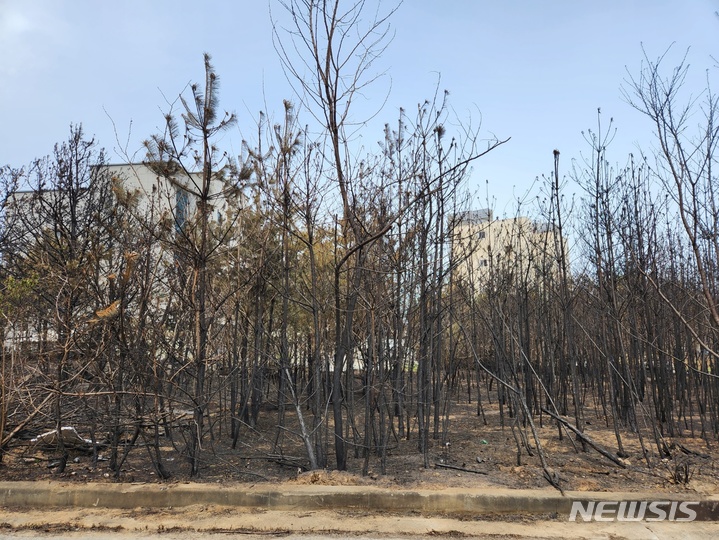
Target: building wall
<point>173,198</point>
<point>518,246</point>
<point>153,200</point>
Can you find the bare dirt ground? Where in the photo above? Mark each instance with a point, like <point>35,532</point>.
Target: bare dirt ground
<point>488,451</point>
<point>478,456</point>
<point>214,522</point>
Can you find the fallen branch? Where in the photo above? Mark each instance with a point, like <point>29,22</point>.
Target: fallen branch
<point>7,438</point>
<point>690,452</point>
<point>287,461</point>
<point>587,440</point>
<point>455,468</point>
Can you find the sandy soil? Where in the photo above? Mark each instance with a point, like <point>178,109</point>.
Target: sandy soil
<point>208,522</point>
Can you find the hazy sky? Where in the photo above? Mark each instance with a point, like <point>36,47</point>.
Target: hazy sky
<point>533,71</point>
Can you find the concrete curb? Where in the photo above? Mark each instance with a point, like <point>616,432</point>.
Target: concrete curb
<point>451,501</point>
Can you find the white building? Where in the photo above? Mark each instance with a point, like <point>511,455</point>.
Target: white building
<point>519,246</point>
<point>169,194</point>
<point>160,204</point>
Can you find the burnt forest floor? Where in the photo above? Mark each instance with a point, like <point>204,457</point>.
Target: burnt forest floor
<point>478,455</point>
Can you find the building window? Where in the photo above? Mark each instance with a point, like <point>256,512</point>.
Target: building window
<point>182,203</point>
<point>481,235</point>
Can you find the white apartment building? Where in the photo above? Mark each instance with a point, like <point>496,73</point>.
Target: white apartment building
<point>518,247</point>
<point>173,196</point>
<point>164,195</point>
<point>153,198</point>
